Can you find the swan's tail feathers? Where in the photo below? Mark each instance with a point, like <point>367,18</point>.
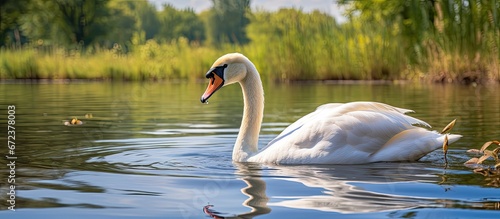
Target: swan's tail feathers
<point>411,145</point>
<point>415,121</point>
<point>403,110</point>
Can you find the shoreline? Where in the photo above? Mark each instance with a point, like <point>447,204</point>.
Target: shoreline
<point>202,80</point>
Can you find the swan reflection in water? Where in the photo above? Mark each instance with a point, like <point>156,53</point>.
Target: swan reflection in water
<point>257,201</point>
<point>340,188</point>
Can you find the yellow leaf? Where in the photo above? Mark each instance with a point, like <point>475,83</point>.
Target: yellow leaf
<point>449,126</point>
<point>445,144</point>
<point>474,151</point>
<point>483,158</point>
<point>496,150</point>
<point>445,148</point>
<point>487,144</point>
<point>472,161</point>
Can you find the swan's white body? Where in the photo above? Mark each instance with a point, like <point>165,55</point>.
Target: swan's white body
<point>350,133</point>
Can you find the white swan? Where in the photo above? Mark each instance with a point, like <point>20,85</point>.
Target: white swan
<point>350,133</point>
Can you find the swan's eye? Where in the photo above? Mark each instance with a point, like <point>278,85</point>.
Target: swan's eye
<point>219,71</point>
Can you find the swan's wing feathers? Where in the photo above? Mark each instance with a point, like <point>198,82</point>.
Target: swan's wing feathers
<point>344,133</point>
<point>328,106</point>
<point>383,108</point>
<point>300,122</point>
<point>399,114</point>
<point>365,130</point>
<point>358,124</point>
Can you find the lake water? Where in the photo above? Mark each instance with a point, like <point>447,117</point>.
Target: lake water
<point>152,150</point>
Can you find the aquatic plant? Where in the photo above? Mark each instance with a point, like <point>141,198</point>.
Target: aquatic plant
<point>446,129</point>
<point>72,122</point>
<point>485,154</point>
<point>477,163</point>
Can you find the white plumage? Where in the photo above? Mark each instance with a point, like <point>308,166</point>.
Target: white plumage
<point>350,133</point>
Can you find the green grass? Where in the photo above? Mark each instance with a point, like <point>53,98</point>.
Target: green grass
<point>303,46</point>
<point>275,63</point>
<point>151,61</point>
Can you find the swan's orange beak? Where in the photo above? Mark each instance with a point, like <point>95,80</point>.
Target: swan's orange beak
<point>215,83</point>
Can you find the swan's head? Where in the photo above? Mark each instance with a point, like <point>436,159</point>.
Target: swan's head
<point>226,70</point>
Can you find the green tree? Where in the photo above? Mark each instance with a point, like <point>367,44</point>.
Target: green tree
<point>78,22</point>
<point>79,19</point>
<point>455,24</point>
<point>147,18</point>
<point>228,21</point>
<point>180,23</point>
<point>121,24</point>
<point>10,13</point>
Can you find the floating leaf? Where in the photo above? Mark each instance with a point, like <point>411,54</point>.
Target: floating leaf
<point>486,155</point>
<point>76,121</point>
<point>73,122</point>
<point>494,154</point>
<point>481,171</point>
<point>472,161</point>
<point>473,151</point>
<point>487,144</point>
<point>496,150</point>
<point>449,126</point>
<point>486,170</point>
<point>488,152</point>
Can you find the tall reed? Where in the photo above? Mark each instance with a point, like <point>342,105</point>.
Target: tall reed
<point>285,45</point>
<point>151,61</point>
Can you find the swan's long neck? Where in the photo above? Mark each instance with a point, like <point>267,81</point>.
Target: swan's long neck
<point>253,96</point>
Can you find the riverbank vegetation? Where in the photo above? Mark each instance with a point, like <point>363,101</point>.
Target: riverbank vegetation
<point>434,40</point>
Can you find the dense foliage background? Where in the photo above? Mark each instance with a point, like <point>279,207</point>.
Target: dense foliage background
<point>434,40</point>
